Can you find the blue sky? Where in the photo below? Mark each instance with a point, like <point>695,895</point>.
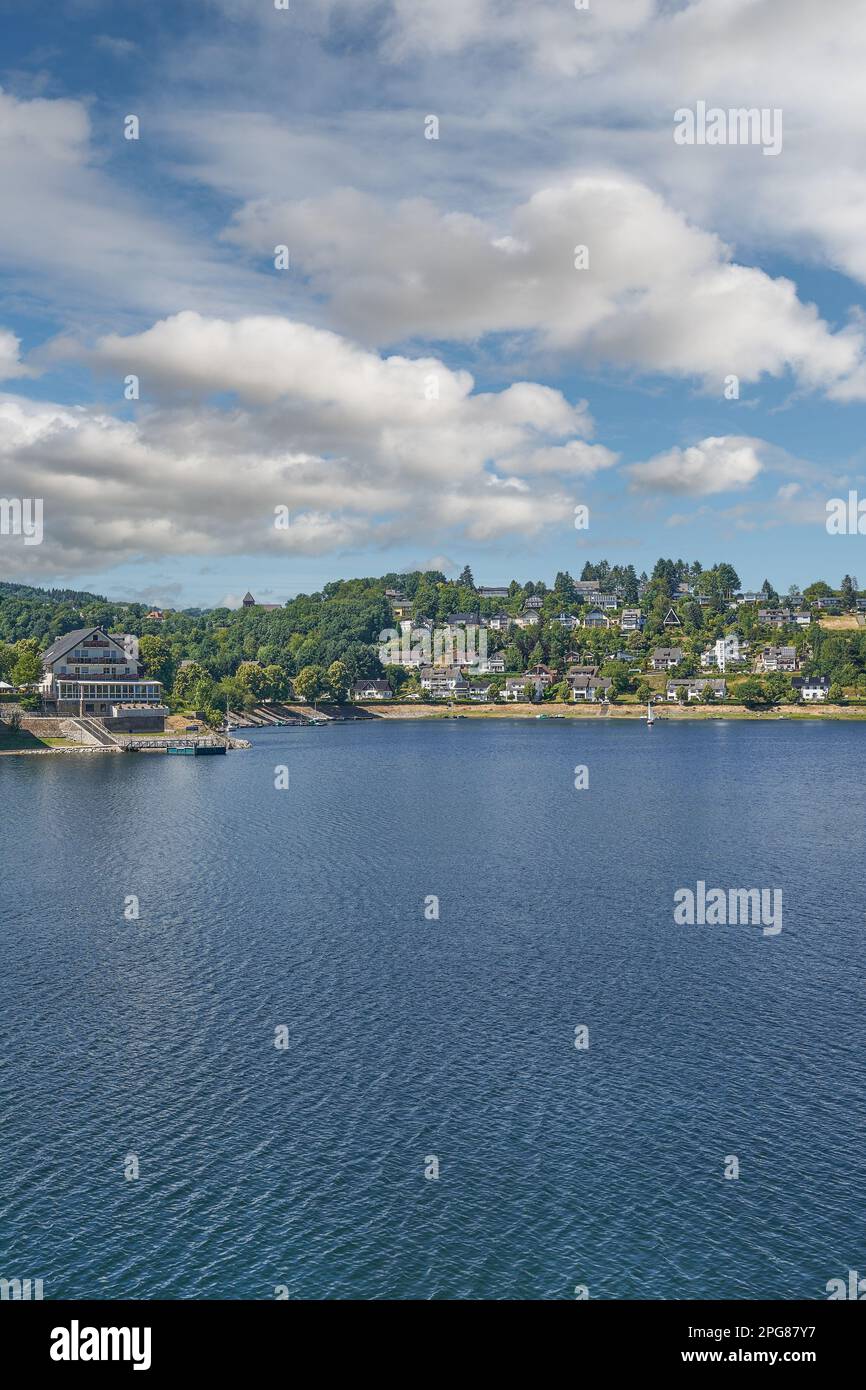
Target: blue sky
<point>432,381</point>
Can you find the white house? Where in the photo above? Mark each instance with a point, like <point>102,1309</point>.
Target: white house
<point>727,651</point>
<point>632,620</point>
<point>812,688</point>
<point>590,688</point>
<point>371,690</point>
<point>666,658</point>
<point>444,682</point>
<point>777,659</point>
<point>695,687</point>
<point>92,672</point>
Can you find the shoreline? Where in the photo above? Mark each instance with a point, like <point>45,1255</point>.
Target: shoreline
<point>366,714</point>
<point>674,713</point>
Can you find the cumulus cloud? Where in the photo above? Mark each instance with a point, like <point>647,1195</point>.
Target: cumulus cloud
<point>658,294</point>
<point>242,417</point>
<point>720,464</point>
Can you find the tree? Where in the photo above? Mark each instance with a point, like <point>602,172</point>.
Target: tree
<point>817,590</point>
<point>157,659</point>
<point>751,692</point>
<point>276,683</point>
<point>7,660</point>
<point>466,581</point>
<point>187,678</point>
<point>338,681</point>
<point>28,665</point>
<point>836,694</point>
<point>311,684</point>
<point>252,676</point>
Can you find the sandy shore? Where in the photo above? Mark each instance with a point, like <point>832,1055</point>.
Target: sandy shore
<point>662,712</point>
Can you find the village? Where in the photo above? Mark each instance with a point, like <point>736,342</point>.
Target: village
<point>695,646</point>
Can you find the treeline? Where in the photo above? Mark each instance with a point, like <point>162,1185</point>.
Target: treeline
<point>319,643</point>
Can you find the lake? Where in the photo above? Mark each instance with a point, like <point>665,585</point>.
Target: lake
<point>413,1040</point>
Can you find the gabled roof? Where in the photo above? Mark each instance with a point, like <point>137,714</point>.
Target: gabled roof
<point>61,645</point>
<point>673,618</point>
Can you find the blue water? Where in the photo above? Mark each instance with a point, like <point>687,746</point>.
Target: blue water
<point>454,1037</point>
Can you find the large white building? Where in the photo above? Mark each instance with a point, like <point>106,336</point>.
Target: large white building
<point>727,650</point>
<point>89,672</point>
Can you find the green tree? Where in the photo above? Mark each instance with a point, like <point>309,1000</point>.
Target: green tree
<point>157,659</point>
<point>311,684</point>
<point>187,678</point>
<point>751,693</point>
<point>252,676</point>
<point>338,681</point>
<point>28,663</point>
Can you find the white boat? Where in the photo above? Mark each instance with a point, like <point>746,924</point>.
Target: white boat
<point>650,717</point>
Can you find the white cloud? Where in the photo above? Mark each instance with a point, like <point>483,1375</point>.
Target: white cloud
<point>350,442</point>
<point>10,360</point>
<point>659,294</point>
<point>721,464</point>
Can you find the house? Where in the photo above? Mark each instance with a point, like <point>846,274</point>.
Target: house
<point>586,586</point>
<point>535,601</point>
<point>248,601</point>
<point>515,687</point>
<point>595,618</point>
<point>462,620</point>
<point>492,665</point>
<point>155,615</point>
<point>479,691</point>
<point>444,682</point>
<point>371,690</point>
<point>748,597</point>
<point>526,619</point>
<point>401,608</point>
<point>777,659</point>
<point>495,591</point>
<point>727,651</point>
<point>696,687</point>
<point>499,622</point>
<point>632,620</point>
<point>672,619</point>
<point>91,672</point>
<point>832,603</point>
<point>546,673</point>
<point>802,617</point>
<point>811,688</point>
<point>567,620</point>
<point>666,658</point>
<point>581,670</point>
<point>597,599</point>
<point>773,617</point>
<point>589,688</point>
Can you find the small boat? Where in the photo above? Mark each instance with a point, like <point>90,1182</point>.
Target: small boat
<point>650,717</point>
<point>541,716</point>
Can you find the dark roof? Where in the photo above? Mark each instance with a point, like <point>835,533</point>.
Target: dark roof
<point>69,639</point>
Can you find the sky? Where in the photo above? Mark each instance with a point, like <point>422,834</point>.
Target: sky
<point>395,284</point>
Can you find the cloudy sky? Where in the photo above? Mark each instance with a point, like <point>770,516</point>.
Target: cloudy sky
<point>439,374</point>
